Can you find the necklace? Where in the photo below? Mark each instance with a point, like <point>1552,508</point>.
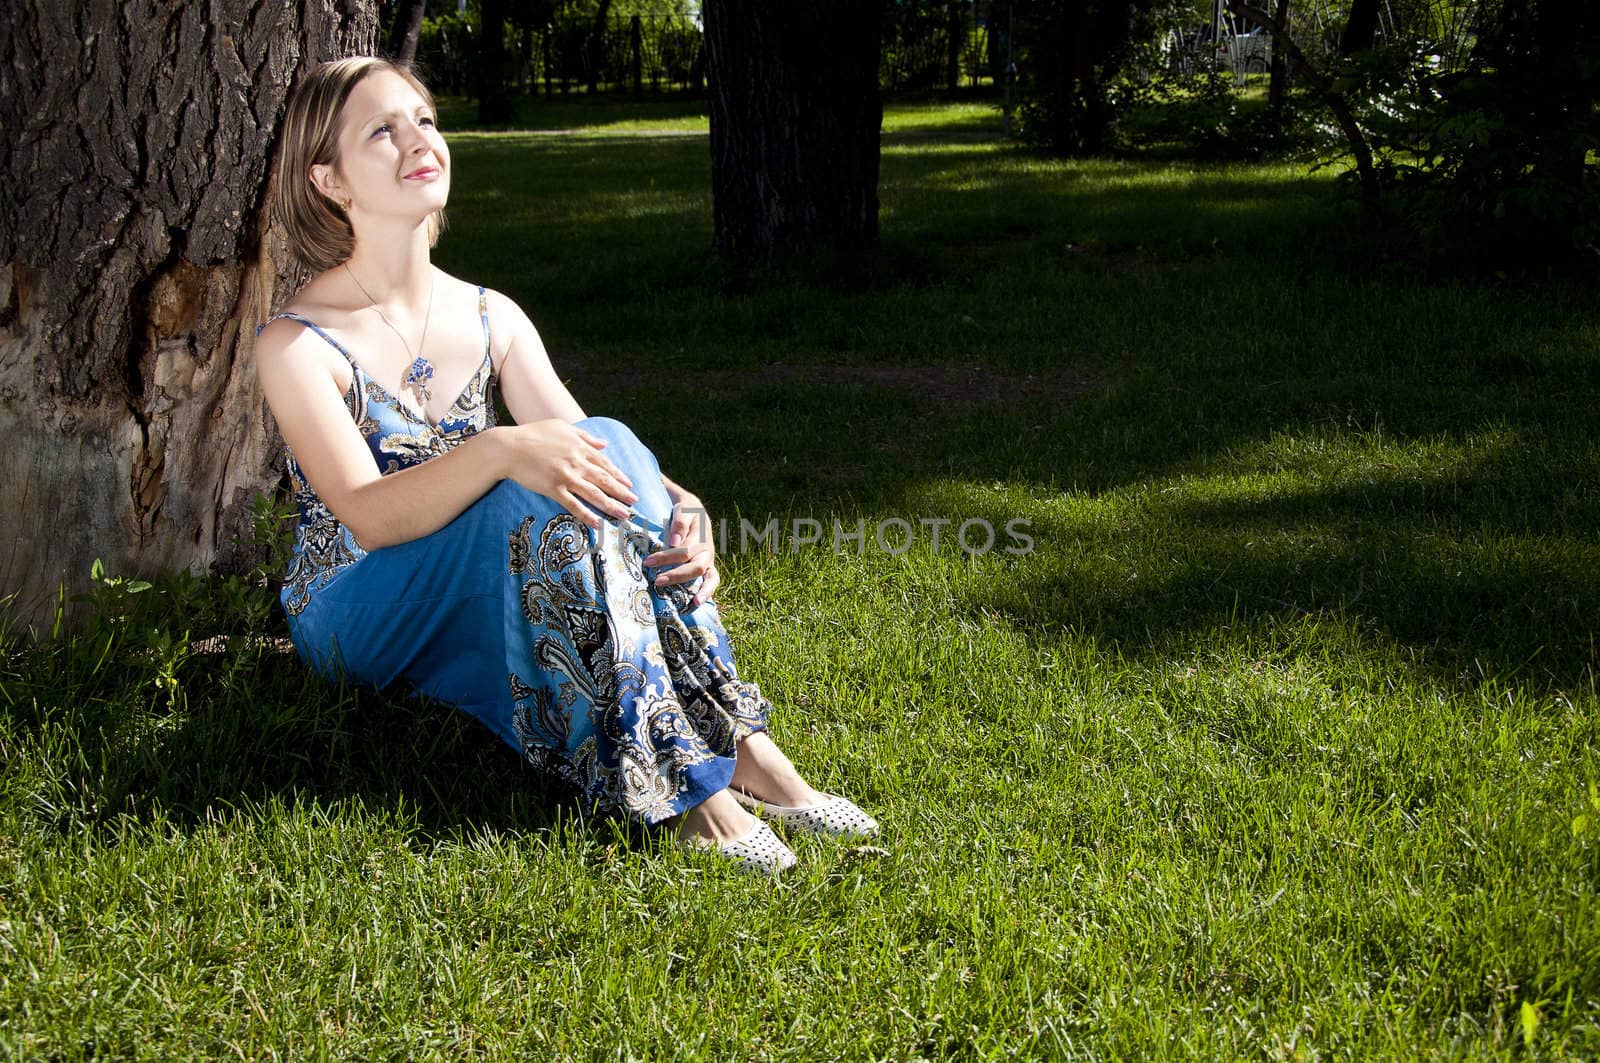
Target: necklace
<point>421,370</point>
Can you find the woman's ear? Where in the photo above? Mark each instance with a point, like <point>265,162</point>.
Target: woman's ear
<point>324,180</point>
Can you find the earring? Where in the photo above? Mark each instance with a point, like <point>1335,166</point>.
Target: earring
<point>344,205</point>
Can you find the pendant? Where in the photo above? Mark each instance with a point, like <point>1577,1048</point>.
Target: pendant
<point>417,377</point>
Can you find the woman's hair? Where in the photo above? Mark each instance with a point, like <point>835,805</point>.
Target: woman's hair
<point>318,229</point>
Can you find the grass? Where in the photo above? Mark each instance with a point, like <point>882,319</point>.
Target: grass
<point>1280,743</point>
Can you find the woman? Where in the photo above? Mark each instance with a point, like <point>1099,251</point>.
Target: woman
<point>543,575</point>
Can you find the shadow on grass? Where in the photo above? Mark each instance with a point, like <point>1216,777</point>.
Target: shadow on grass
<point>254,726</point>
<point>1505,592</point>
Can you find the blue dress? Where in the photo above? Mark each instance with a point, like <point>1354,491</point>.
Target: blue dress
<point>551,633</point>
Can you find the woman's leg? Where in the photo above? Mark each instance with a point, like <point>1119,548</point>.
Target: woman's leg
<point>693,645</point>
<point>556,638</point>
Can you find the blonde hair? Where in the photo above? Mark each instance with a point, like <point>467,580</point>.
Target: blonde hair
<point>317,228</point>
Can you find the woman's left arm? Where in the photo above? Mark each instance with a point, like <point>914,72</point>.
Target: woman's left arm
<point>522,369</point>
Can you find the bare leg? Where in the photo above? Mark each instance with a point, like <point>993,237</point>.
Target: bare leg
<point>717,818</point>
<point>762,771</point>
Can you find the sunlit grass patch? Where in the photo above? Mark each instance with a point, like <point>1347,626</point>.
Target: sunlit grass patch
<point>1277,740</point>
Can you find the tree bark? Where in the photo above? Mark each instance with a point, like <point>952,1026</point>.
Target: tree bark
<point>1278,76</point>
<point>1323,86</point>
<point>494,102</point>
<point>595,45</point>
<point>1360,28</point>
<point>636,54</point>
<point>955,40</point>
<point>135,261</point>
<point>795,118</point>
<point>407,28</point>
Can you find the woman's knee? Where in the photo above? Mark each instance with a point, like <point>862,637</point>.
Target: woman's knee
<point>622,442</point>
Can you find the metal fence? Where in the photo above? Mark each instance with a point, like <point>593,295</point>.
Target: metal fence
<point>657,54</point>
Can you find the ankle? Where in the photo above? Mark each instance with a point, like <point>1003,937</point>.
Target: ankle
<point>763,772</point>
<point>718,818</point>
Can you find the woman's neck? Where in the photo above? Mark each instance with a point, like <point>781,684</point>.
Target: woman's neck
<point>393,268</point>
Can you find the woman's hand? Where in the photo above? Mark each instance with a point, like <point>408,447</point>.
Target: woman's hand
<point>563,462</point>
<point>691,548</point>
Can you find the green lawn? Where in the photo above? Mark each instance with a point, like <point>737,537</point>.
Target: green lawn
<point>1281,743</point>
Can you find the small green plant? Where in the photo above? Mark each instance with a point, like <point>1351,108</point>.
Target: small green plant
<point>272,535</point>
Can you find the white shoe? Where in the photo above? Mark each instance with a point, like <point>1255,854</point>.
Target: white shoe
<point>759,852</point>
<point>834,816</point>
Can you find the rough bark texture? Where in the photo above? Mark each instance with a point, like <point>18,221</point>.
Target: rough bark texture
<point>494,101</point>
<point>134,265</point>
<point>1279,70</point>
<point>407,28</point>
<point>955,41</point>
<point>1361,28</point>
<point>795,118</point>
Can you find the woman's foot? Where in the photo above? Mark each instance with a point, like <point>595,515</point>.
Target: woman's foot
<point>764,779</point>
<point>763,772</point>
<point>719,818</point>
<point>719,823</point>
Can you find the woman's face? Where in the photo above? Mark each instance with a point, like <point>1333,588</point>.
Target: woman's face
<point>392,161</point>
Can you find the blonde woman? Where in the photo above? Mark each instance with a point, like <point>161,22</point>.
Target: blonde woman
<point>544,576</point>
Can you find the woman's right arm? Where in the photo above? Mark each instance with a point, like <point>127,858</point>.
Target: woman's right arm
<point>554,458</point>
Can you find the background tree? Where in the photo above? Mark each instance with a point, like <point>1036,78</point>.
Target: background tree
<point>954,42</point>
<point>494,90</point>
<point>1278,70</point>
<point>1360,27</point>
<point>407,26</point>
<point>135,261</point>
<point>795,118</point>
<point>1503,177</point>
<point>1072,55</point>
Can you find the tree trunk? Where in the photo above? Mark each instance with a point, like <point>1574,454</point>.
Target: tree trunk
<point>1325,87</point>
<point>955,40</point>
<point>595,45</point>
<point>135,261</point>
<point>407,28</point>
<point>636,54</point>
<point>1278,76</point>
<point>544,58</point>
<point>1360,28</point>
<point>795,118</point>
<point>494,102</point>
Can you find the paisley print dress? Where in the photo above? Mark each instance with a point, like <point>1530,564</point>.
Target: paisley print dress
<point>552,634</point>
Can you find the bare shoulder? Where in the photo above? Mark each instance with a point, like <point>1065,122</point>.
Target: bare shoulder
<point>508,324</point>
<point>285,338</point>
<point>287,351</point>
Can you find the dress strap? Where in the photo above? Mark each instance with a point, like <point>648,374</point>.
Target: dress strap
<point>483,315</point>
<point>313,326</point>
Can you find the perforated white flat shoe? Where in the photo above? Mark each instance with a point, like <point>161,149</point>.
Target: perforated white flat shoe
<point>759,852</point>
<point>834,816</point>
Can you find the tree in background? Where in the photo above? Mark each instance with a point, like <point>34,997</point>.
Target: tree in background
<point>924,43</point>
<point>404,32</point>
<point>1497,166</point>
<point>1072,55</point>
<point>496,49</point>
<point>494,89</point>
<point>795,118</point>
<point>135,261</point>
<point>1360,27</point>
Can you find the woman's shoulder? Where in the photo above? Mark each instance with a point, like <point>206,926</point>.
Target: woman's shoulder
<point>506,321</point>
<point>299,328</point>
<point>306,305</point>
